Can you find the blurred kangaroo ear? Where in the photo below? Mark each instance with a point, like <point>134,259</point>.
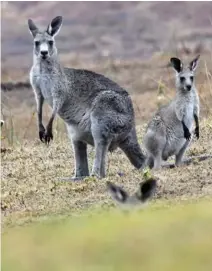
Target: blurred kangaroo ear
<point>2,123</point>
<point>193,63</point>
<point>32,27</point>
<point>147,189</point>
<point>176,64</point>
<point>117,192</point>
<point>55,26</point>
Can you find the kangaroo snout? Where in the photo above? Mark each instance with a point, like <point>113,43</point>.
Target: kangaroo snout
<point>188,87</point>
<point>44,54</point>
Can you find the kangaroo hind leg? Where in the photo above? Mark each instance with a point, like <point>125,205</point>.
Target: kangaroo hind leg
<point>155,144</point>
<point>179,156</point>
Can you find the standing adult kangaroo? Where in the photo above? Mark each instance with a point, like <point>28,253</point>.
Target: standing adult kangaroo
<point>96,110</point>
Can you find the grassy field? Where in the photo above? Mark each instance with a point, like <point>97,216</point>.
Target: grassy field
<point>162,237</point>
<point>31,170</point>
<point>50,224</point>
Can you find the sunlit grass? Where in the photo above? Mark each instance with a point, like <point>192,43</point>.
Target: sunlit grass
<point>157,238</point>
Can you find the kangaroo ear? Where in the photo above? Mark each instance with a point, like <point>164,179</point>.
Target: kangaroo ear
<point>117,192</point>
<point>193,63</point>
<point>176,64</point>
<point>32,27</point>
<point>147,189</point>
<point>55,26</point>
<point>2,123</point>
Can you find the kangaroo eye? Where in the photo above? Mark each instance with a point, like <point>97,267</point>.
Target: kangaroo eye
<point>191,78</point>
<point>37,43</point>
<point>50,42</point>
<point>182,79</point>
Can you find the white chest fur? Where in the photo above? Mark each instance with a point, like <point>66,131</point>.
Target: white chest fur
<point>43,82</point>
<point>188,117</point>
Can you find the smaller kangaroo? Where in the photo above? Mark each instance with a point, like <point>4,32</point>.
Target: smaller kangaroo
<point>144,193</point>
<point>170,131</point>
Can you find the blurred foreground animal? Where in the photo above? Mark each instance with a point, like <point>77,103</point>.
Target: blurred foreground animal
<point>142,195</point>
<point>96,110</point>
<point>170,131</point>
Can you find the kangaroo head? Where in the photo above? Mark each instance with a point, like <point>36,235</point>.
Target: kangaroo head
<point>44,43</point>
<point>144,193</point>
<point>184,75</point>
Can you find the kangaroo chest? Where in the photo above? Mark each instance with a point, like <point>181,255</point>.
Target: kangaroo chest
<point>184,109</point>
<point>188,116</point>
<point>45,84</point>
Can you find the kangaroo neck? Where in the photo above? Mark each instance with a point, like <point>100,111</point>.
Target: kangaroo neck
<point>183,94</point>
<point>48,65</point>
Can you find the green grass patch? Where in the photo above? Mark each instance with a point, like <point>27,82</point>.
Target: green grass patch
<point>157,238</point>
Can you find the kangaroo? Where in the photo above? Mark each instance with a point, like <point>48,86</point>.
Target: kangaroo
<point>96,110</point>
<point>144,193</point>
<point>170,131</point>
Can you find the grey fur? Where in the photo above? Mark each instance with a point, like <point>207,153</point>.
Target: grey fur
<point>96,110</point>
<point>170,131</point>
<point>142,195</point>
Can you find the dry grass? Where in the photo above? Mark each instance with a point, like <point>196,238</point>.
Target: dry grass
<point>71,226</point>
<point>31,192</point>
<point>30,172</point>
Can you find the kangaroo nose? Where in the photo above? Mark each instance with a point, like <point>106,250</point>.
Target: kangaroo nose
<point>188,87</point>
<point>44,53</point>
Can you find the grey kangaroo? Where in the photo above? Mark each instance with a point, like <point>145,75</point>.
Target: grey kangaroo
<point>142,195</point>
<point>96,110</point>
<point>170,131</point>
